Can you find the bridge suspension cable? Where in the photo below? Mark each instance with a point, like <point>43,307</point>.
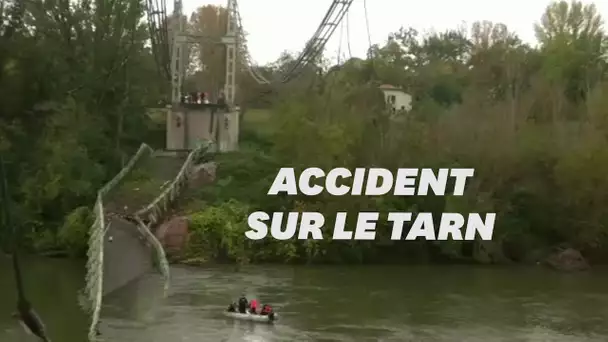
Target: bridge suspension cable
<point>315,45</point>
<point>163,43</point>
<point>369,37</point>
<point>242,40</point>
<point>156,11</point>
<point>313,48</point>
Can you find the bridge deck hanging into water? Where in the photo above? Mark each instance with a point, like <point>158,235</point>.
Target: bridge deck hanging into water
<point>122,244</point>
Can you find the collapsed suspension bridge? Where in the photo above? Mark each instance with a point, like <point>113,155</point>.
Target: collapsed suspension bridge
<point>123,245</point>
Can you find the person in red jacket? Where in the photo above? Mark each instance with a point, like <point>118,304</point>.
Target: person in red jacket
<point>266,310</point>
<point>253,306</point>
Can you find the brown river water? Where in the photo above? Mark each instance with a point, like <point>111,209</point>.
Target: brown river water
<point>324,303</point>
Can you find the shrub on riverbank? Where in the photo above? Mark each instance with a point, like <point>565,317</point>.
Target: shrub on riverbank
<point>217,233</point>
<point>73,236</point>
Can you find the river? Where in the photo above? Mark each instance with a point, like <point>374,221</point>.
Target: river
<point>325,303</point>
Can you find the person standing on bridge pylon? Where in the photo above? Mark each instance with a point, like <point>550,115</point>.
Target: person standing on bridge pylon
<point>221,99</point>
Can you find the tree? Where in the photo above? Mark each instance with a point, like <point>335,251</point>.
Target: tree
<point>80,78</point>
<point>569,22</point>
<point>209,55</point>
<point>573,38</point>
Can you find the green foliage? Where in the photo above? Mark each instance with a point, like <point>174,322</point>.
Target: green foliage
<point>218,233</point>
<point>74,233</point>
<point>43,240</point>
<point>248,168</point>
<point>77,104</point>
<point>531,121</point>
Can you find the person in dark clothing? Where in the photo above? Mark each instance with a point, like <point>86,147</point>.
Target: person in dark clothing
<point>221,100</point>
<point>232,307</point>
<point>243,304</point>
<point>193,97</point>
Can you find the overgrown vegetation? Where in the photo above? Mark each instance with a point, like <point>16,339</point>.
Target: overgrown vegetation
<point>76,79</point>
<point>531,120</point>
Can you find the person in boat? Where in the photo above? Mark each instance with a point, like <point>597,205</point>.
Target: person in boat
<point>253,306</point>
<point>232,307</point>
<point>243,304</point>
<point>266,310</point>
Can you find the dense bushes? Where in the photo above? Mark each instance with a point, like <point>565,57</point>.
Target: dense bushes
<point>546,181</point>
<point>531,121</point>
<point>76,109</point>
<point>75,230</point>
<point>218,233</point>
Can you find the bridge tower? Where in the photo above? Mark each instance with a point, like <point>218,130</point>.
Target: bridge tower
<point>230,40</point>
<point>190,123</point>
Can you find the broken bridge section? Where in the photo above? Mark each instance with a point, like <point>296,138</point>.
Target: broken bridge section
<point>122,247</point>
<point>128,252</point>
